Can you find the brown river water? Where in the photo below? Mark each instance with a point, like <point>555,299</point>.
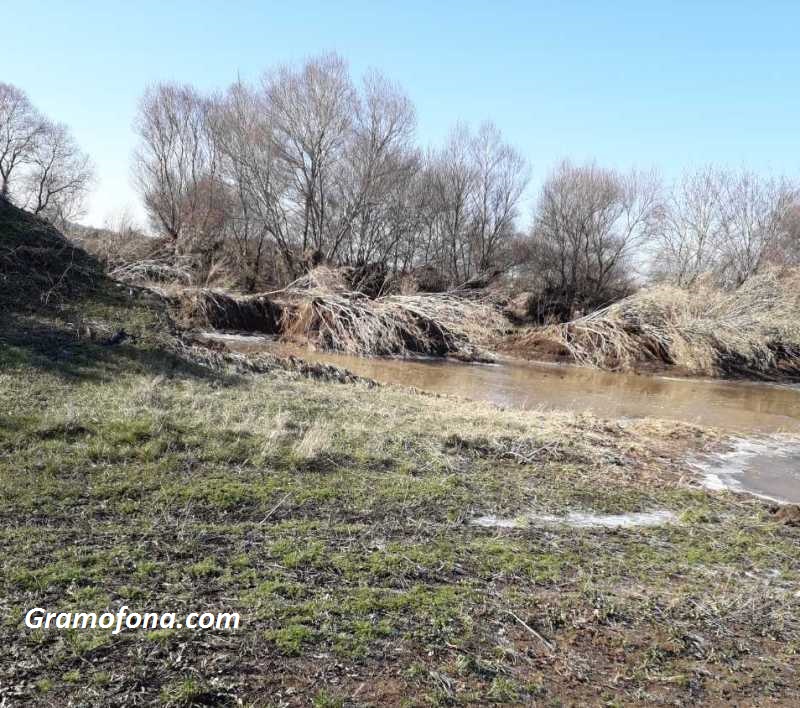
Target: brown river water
<point>764,419</point>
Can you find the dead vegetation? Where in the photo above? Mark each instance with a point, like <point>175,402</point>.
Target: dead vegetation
<point>37,264</point>
<point>219,359</point>
<point>319,310</point>
<point>204,308</point>
<point>151,270</point>
<point>752,331</point>
<point>392,326</point>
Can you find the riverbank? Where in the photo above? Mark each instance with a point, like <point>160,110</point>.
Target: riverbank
<point>338,520</point>
<point>750,332</point>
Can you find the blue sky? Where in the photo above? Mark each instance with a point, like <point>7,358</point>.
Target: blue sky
<point>647,84</point>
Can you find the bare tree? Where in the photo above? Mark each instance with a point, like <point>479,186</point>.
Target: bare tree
<point>728,224</point>
<point>688,229</point>
<point>453,182</point>
<point>590,227</point>
<point>785,252</point>
<point>21,126</point>
<point>380,162</point>
<point>753,214</point>
<point>318,165</point>
<point>312,111</point>
<point>58,176</point>
<point>475,183</point>
<point>257,182</point>
<point>501,175</point>
<point>176,166</point>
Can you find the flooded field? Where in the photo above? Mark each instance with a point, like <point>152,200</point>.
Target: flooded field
<point>758,412</point>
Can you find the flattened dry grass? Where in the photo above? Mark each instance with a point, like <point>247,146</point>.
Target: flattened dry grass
<point>319,310</point>
<point>753,331</point>
<point>202,308</point>
<point>399,325</point>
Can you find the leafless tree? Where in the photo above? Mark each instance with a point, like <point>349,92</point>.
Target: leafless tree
<point>176,166</point>
<point>725,223</point>
<point>501,175</point>
<point>315,164</point>
<point>474,187</point>
<point>452,179</point>
<point>257,182</point>
<point>312,110</point>
<point>688,229</point>
<point>786,249</point>
<point>58,176</point>
<point>754,212</point>
<point>21,126</point>
<point>310,165</point>
<point>380,162</point>
<point>590,225</point>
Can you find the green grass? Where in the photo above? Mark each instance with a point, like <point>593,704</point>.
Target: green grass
<point>336,520</point>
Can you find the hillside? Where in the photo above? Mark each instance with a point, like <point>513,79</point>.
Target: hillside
<point>59,310</point>
<point>60,313</point>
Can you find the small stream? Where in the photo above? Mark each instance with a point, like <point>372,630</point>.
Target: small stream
<point>764,418</point>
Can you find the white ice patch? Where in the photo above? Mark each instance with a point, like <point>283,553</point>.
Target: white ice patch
<point>610,521</point>
<point>579,519</point>
<point>733,468</point>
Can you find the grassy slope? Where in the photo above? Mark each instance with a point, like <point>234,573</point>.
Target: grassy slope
<point>57,308</point>
<point>335,518</point>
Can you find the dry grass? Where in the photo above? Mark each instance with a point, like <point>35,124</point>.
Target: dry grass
<point>474,319</point>
<point>204,308</point>
<point>431,325</point>
<point>322,278</point>
<point>317,440</point>
<point>319,310</point>
<point>752,331</point>
<point>152,271</point>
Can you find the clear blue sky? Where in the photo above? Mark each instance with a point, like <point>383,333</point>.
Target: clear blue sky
<point>664,84</point>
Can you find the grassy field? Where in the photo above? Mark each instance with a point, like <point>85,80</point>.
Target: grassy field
<point>337,520</point>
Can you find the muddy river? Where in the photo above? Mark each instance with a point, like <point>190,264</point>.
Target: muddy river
<point>764,418</point>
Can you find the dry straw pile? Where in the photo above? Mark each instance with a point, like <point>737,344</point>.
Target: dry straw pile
<point>753,330</point>
<point>203,308</point>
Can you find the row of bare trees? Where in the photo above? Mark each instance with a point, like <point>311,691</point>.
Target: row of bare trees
<point>726,223</point>
<point>597,232</point>
<point>307,165</point>
<point>42,169</point>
